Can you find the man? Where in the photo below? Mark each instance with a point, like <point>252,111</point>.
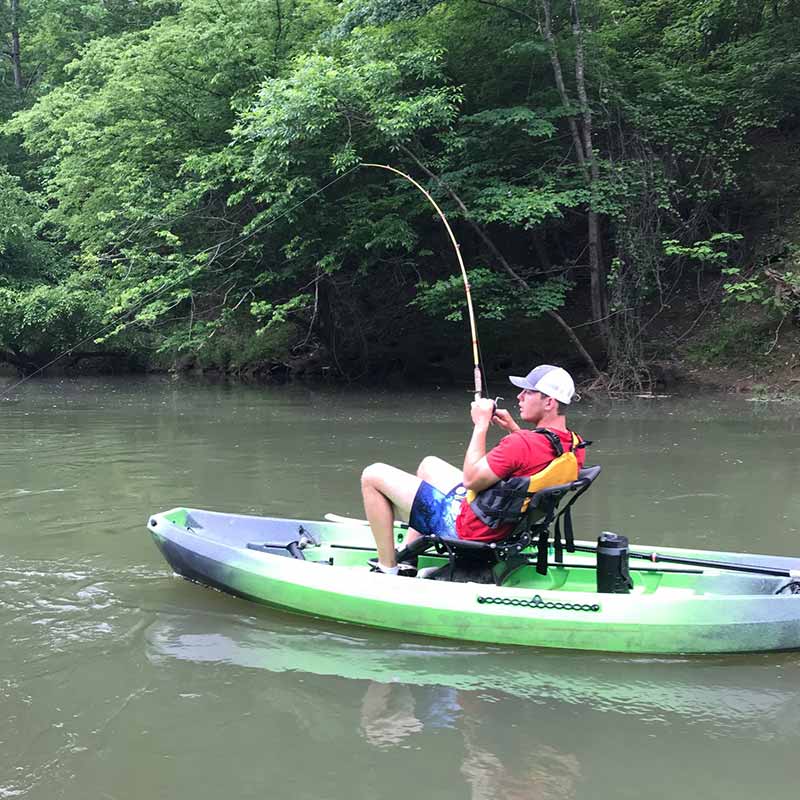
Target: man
<point>435,499</point>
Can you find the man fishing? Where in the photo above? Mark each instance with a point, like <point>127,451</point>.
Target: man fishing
<point>460,503</point>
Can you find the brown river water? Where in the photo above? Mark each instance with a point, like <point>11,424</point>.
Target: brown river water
<point>119,681</point>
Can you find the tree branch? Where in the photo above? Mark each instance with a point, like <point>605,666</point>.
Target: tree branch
<point>554,315</point>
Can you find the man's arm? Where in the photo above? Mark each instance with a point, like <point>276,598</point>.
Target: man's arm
<point>478,474</point>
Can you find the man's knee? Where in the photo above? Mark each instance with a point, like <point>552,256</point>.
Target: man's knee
<point>374,475</point>
<point>428,466</point>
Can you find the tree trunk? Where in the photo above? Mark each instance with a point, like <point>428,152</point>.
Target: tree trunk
<point>541,251</point>
<point>14,52</point>
<point>584,152</point>
<point>597,280</point>
<point>547,33</point>
<point>584,155</point>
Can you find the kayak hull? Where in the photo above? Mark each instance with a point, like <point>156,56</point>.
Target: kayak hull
<point>669,611</point>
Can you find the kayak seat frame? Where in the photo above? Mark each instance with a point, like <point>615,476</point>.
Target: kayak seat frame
<point>501,558</point>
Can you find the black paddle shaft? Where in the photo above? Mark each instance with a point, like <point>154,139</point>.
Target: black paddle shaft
<point>696,562</point>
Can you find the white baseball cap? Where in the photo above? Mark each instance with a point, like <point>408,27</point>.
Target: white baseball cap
<point>553,381</point>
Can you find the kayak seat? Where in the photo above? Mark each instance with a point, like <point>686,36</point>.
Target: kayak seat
<point>495,561</point>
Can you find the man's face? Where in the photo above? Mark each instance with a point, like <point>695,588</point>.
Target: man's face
<point>533,405</point>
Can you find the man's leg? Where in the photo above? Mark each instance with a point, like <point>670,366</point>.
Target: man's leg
<point>388,492</point>
<point>439,473</point>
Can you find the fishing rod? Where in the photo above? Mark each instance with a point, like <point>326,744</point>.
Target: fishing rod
<point>658,558</point>
<point>477,374</point>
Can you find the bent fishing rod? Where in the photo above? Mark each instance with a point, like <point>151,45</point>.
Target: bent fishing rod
<point>477,374</point>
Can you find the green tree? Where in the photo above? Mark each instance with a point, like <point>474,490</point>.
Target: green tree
<point>199,161</point>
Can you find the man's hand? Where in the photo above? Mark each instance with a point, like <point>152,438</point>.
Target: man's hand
<point>477,472</point>
<point>503,418</point>
<point>481,411</point>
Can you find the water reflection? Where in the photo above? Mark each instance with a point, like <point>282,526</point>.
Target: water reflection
<point>392,713</point>
<point>752,696</point>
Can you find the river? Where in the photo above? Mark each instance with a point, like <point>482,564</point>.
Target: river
<point>119,681</point>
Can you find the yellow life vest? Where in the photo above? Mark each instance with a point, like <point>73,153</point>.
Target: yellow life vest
<point>507,500</point>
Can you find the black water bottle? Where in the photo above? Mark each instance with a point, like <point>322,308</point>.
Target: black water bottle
<point>612,564</point>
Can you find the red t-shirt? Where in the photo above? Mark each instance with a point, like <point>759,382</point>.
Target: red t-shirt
<point>517,455</point>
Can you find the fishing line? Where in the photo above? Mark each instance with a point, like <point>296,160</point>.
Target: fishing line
<point>171,284</point>
<point>478,373</point>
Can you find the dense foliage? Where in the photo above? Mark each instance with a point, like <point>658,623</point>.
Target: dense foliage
<point>182,180</point>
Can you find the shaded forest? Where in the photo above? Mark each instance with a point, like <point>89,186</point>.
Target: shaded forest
<point>182,185</point>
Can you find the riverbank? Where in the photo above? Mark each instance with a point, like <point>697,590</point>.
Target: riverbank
<point>695,349</point>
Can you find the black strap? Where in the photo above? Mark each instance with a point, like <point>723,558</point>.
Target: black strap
<point>555,442</point>
<point>569,536</point>
<point>549,510</point>
<point>569,539</point>
<point>558,545</point>
<point>541,550</point>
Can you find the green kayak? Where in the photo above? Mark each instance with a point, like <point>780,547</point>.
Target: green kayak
<point>690,601</point>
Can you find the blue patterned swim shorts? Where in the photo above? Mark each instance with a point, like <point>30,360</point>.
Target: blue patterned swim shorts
<point>434,512</point>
